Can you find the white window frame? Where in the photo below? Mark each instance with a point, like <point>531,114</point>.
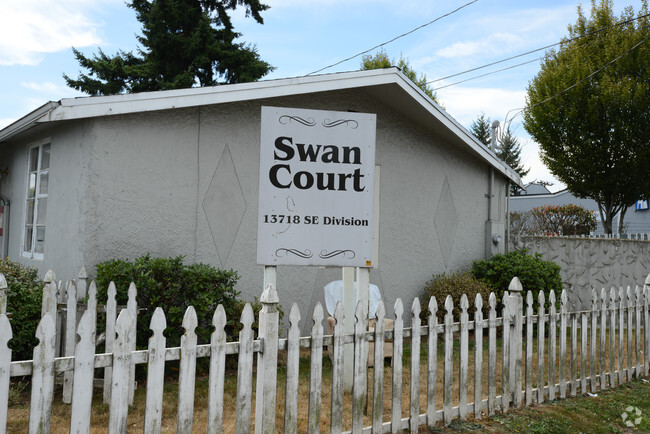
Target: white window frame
<point>29,251</point>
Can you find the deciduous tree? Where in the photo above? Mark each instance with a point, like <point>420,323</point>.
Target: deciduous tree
<point>381,60</point>
<point>588,109</point>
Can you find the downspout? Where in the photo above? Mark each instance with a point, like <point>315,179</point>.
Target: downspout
<point>4,221</point>
<point>507,216</point>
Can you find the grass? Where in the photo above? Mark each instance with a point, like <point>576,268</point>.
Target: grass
<point>599,414</point>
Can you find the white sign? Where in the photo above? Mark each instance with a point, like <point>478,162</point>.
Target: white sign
<point>316,196</point>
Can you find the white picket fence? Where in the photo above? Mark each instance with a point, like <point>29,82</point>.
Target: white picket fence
<point>611,350</point>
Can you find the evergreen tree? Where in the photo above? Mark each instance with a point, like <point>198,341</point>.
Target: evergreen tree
<point>381,60</point>
<point>481,130</point>
<point>509,151</point>
<point>184,43</point>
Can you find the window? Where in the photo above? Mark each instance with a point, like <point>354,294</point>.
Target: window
<point>36,202</point>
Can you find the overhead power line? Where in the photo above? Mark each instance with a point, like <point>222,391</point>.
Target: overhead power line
<point>395,38</point>
<point>488,73</point>
<point>521,110</point>
<point>534,51</point>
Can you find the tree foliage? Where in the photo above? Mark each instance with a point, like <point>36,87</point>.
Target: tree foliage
<point>509,151</point>
<point>508,148</point>
<point>588,109</point>
<point>381,60</point>
<point>480,128</point>
<point>562,220</point>
<point>184,43</point>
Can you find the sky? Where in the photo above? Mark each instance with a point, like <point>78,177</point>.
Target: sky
<point>299,37</point>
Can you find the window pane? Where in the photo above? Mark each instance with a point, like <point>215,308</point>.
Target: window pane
<point>45,177</point>
<point>45,157</point>
<point>33,159</point>
<point>30,212</point>
<point>28,239</point>
<point>32,185</point>
<point>39,246</point>
<point>42,211</point>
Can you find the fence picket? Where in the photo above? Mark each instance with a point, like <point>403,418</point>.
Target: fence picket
<point>119,409</point>
<point>5,366</point>
<point>293,360</point>
<point>432,363</point>
<point>187,373</point>
<point>637,330</point>
<point>463,366</point>
<point>505,353</point>
<point>552,344</point>
<point>70,338</point>
<point>156,374</point>
<point>111,318</point>
<point>336,419</point>
<point>603,339</point>
<point>593,369</point>
<point>448,380</point>
<point>584,355</point>
<point>245,372</point>
<point>573,356</point>
<point>132,307</point>
<point>415,365</point>
<point>646,325</point>
<point>43,374</point>
<point>562,359</point>
<point>613,371</point>
<point>316,370</point>
<point>398,349</point>
<point>360,367</point>
<point>621,335</point>
<point>492,355</point>
<point>378,371</point>
<point>84,364</point>
<point>529,349</point>
<point>630,332</point>
<point>541,301</point>
<point>478,356</point>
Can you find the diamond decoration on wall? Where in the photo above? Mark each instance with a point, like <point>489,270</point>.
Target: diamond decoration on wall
<point>224,205</point>
<point>446,221</point>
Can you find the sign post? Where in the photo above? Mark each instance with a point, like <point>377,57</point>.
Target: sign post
<point>316,197</point>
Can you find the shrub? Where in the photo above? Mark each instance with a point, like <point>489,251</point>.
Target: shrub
<point>455,285</point>
<point>173,286</point>
<point>563,220</point>
<point>24,299</point>
<point>534,273</point>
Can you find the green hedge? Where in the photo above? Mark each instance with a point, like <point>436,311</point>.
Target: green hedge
<point>442,285</point>
<point>24,300</point>
<point>535,273</point>
<point>170,284</point>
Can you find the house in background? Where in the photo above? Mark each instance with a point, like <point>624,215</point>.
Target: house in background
<point>176,173</point>
<point>636,220</point>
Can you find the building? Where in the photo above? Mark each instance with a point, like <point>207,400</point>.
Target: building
<point>176,173</point>
<point>635,221</point>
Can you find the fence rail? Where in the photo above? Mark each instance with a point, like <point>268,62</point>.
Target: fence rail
<point>544,352</point>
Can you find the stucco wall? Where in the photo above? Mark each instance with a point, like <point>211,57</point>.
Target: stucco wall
<point>185,182</point>
<point>593,263</point>
<point>64,238</point>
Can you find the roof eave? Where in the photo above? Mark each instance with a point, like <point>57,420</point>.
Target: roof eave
<point>28,121</point>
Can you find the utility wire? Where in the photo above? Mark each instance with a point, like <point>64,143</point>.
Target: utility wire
<point>521,110</point>
<point>394,39</point>
<point>538,49</point>
<point>488,73</point>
